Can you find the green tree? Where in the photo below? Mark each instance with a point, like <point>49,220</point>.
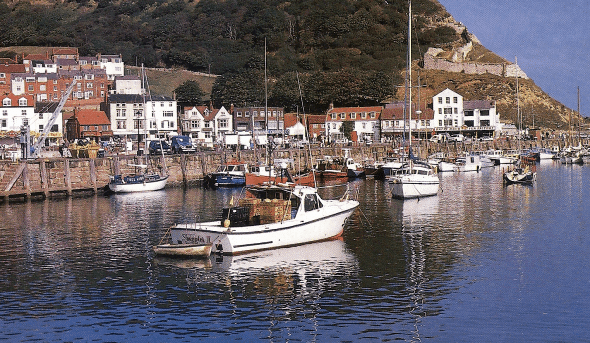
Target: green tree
<point>189,93</point>
<point>347,128</point>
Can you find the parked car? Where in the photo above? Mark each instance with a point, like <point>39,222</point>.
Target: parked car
<point>457,138</point>
<point>182,145</point>
<point>440,138</point>
<point>157,147</point>
<point>487,138</point>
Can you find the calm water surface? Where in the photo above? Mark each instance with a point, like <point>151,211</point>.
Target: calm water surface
<point>480,262</point>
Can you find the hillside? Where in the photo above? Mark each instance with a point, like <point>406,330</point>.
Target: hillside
<point>349,53</point>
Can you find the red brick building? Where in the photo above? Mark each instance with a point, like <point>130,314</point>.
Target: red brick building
<point>90,124</point>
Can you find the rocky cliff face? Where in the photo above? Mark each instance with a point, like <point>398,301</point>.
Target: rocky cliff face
<point>468,68</point>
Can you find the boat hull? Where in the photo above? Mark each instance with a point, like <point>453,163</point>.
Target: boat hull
<point>307,179</point>
<point>408,187</point>
<point>183,250</point>
<point>318,225</point>
<point>512,177</point>
<point>138,187</point>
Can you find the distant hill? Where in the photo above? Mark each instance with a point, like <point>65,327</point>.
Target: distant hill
<point>342,52</point>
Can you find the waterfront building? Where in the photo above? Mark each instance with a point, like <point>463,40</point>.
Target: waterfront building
<point>316,126</point>
<point>89,124</point>
<point>472,118</point>
<point>19,110</point>
<point>363,121</point>
<point>130,117</point>
<point>205,124</point>
<point>270,122</point>
<point>392,120</point>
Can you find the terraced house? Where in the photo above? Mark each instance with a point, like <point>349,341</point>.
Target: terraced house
<point>363,123</point>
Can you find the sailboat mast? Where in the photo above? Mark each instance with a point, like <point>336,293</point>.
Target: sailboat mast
<point>266,109</point>
<point>409,71</point>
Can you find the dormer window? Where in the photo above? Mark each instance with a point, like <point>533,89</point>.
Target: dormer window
<point>22,102</point>
<point>6,102</point>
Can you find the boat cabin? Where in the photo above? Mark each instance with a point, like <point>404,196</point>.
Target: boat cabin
<point>273,203</point>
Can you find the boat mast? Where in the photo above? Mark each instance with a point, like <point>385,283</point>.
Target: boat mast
<point>408,109</point>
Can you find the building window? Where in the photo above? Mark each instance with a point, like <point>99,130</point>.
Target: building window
<point>255,113</point>
<point>484,123</point>
<point>342,115</point>
<point>41,116</point>
<point>3,122</point>
<point>195,124</point>
<point>334,115</point>
<point>353,115</point>
<point>439,110</point>
<point>223,123</point>
<point>372,115</point>
<point>455,110</point>
<point>168,114</point>
<point>5,113</point>
<point>484,112</point>
<point>440,100</point>
<point>454,100</point>
<point>364,115</point>
<point>239,114</point>
<point>448,100</point>
<point>468,113</point>
<point>22,102</point>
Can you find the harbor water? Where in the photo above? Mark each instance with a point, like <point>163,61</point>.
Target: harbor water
<point>480,262</point>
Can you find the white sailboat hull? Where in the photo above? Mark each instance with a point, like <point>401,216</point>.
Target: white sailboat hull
<point>138,187</point>
<point>318,225</point>
<point>415,186</point>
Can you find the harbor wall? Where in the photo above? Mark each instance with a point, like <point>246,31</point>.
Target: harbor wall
<point>59,177</point>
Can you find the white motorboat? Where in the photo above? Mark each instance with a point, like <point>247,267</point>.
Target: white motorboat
<point>419,181</point>
<point>546,154</point>
<point>498,157</point>
<point>446,166</point>
<point>270,216</point>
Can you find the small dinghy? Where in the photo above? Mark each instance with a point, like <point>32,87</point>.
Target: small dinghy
<point>183,250</point>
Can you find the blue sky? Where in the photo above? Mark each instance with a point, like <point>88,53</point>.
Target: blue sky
<point>550,38</point>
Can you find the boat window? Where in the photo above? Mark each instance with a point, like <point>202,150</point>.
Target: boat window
<point>240,168</point>
<point>311,202</point>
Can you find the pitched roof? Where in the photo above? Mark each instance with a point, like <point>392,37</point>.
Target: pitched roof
<point>15,98</point>
<point>316,119</point>
<point>12,68</point>
<point>92,117</point>
<point>290,119</point>
<point>395,111</point>
<point>357,110</point>
<point>478,104</point>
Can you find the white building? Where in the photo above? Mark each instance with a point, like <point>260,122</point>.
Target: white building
<point>127,84</point>
<point>365,123</point>
<point>206,125</point>
<point>129,116</point>
<point>112,64</point>
<point>474,118</point>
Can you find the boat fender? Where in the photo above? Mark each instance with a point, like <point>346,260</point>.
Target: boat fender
<point>226,223</point>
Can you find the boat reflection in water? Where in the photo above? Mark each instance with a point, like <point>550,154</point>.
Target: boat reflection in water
<point>295,265</point>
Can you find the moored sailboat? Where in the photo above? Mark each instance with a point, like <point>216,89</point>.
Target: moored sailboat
<point>420,179</point>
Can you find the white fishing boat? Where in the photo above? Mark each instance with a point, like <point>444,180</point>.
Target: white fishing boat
<point>270,216</point>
